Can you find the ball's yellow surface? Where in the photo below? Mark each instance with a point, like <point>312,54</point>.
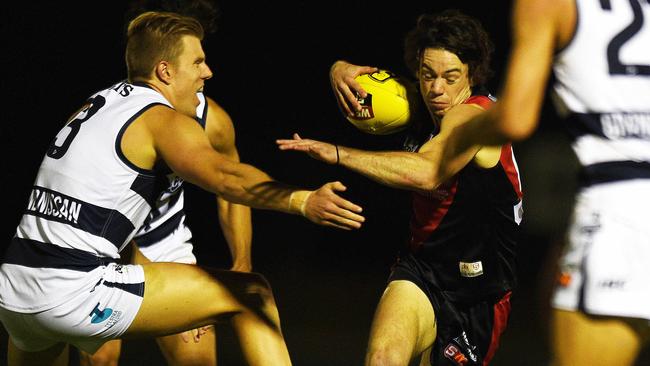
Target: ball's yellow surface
<point>386,108</point>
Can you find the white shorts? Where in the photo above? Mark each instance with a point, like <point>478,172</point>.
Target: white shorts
<point>604,269</point>
<point>85,320</point>
<point>175,247</point>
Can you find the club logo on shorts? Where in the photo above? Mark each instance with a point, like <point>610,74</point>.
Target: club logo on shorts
<point>107,315</point>
<point>473,269</point>
<point>98,316</point>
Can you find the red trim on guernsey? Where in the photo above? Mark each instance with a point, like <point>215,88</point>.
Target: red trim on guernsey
<point>428,211</point>
<point>501,315</point>
<point>510,167</point>
<point>480,100</point>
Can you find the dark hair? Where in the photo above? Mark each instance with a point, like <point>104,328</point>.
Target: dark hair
<point>455,32</point>
<point>207,12</point>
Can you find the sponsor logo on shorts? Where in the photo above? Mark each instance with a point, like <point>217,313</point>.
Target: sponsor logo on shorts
<point>460,351</point>
<point>107,315</point>
<point>98,316</point>
<point>471,269</point>
<point>453,353</point>
<point>612,284</point>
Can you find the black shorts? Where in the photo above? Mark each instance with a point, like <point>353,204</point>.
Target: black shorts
<point>467,332</point>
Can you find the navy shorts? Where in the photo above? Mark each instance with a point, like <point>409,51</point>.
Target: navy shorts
<point>468,332</point>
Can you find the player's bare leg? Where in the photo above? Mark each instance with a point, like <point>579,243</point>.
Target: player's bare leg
<point>107,355</point>
<point>581,340</point>
<point>56,355</point>
<point>403,326</point>
<point>181,296</point>
<point>180,352</point>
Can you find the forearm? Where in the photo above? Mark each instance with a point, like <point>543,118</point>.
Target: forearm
<point>246,185</point>
<point>235,221</point>
<point>397,169</point>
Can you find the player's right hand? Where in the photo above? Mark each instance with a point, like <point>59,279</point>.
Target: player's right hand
<point>345,87</point>
<point>323,206</point>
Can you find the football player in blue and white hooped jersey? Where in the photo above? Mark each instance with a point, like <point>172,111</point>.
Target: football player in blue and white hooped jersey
<point>599,52</point>
<point>59,280</point>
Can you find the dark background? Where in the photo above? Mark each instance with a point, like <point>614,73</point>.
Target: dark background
<point>270,64</point>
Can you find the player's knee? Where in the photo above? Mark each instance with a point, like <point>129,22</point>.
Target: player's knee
<point>257,291</point>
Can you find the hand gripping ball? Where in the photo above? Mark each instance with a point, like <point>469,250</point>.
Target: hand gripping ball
<point>386,109</point>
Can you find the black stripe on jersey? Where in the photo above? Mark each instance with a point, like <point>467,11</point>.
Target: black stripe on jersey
<point>613,171</point>
<point>35,254</point>
<point>610,125</point>
<point>148,187</point>
<point>133,288</point>
<point>606,4</point>
<point>103,222</point>
<point>161,232</point>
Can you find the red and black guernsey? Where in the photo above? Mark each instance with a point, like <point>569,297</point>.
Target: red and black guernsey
<point>472,219</point>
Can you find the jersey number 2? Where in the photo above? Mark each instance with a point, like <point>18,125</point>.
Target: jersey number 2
<point>616,67</point>
<point>56,150</point>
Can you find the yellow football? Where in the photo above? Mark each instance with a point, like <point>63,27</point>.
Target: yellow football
<point>386,109</point>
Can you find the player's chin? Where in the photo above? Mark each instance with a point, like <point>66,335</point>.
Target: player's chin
<point>437,112</point>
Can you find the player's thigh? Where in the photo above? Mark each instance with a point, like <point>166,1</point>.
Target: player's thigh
<point>179,352</point>
<point>578,339</point>
<point>404,323</point>
<point>107,355</point>
<point>178,297</point>
<point>56,355</point>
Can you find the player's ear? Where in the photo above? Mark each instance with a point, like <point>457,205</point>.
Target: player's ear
<point>163,72</point>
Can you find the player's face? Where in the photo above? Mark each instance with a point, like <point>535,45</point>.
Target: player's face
<point>444,80</point>
<point>190,73</point>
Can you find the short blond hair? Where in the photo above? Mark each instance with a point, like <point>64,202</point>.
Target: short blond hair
<point>156,36</point>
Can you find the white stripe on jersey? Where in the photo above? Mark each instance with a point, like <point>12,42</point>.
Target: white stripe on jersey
<point>592,149</point>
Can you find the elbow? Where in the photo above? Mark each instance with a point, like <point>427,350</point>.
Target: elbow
<point>518,130</point>
<point>516,125</point>
<point>426,182</point>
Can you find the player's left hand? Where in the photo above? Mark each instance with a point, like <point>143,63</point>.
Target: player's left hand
<point>316,149</point>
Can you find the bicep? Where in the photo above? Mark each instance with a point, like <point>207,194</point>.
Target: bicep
<point>185,148</point>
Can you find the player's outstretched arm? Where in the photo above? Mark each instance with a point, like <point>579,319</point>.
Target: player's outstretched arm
<point>345,87</point>
<point>421,171</point>
<point>397,169</point>
<point>179,140</point>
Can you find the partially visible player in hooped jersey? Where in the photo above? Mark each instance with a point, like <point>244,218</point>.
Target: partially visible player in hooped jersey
<point>599,52</point>
<point>448,297</point>
<point>165,237</point>
<point>60,280</point>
